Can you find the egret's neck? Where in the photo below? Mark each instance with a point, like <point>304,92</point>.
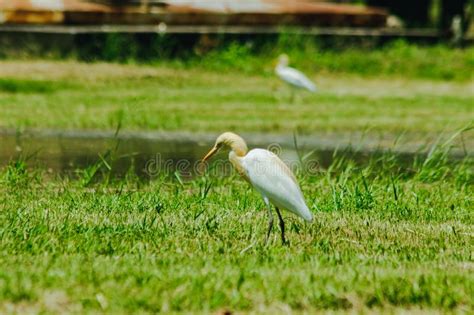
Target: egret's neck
<point>237,163</point>
<point>238,146</point>
<point>238,150</point>
<point>281,65</point>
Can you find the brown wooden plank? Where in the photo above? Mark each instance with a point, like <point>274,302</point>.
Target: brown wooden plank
<point>224,12</point>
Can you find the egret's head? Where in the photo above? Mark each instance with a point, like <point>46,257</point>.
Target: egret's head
<point>283,60</point>
<point>228,140</point>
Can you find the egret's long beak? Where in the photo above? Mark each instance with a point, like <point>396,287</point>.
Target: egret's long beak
<point>209,154</point>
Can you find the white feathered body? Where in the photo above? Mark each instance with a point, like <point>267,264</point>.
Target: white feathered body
<point>295,78</point>
<point>273,179</point>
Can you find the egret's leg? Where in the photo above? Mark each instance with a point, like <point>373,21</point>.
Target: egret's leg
<point>282,227</point>
<point>270,219</point>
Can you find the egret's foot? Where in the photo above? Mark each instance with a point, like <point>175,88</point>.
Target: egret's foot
<point>265,243</point>
<point>284,241</point>
<point>267,238</point>
<point>270,225</point>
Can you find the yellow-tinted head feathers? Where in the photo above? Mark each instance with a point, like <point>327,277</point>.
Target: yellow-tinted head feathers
<point>283,60</point>
<point>230,140</point>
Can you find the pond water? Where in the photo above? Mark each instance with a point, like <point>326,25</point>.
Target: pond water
<point>149,157</point>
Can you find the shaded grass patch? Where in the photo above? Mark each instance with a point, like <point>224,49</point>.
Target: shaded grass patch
<point>27,86</point>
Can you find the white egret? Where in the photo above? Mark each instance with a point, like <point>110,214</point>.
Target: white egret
<point>293,77</point>
<point>268,175</point>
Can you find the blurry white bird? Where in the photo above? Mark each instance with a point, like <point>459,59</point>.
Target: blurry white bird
<point>268,175</point>
<point>292,76</point>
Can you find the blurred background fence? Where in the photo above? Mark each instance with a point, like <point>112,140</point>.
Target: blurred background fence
<point>39,26</point>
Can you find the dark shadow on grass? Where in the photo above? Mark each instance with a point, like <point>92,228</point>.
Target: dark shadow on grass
<point>10,85</point>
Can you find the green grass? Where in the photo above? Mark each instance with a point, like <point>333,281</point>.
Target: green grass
<point>397,58</point>
<point>29,86</point>
<point>72,95</point>
<point>361,56</point>
<point>384,238</point>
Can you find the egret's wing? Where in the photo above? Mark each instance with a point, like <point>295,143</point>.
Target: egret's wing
<point>296,78</point>
<point>273,179</point>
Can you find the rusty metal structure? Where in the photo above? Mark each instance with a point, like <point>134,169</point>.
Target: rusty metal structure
<point>238,13</point>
